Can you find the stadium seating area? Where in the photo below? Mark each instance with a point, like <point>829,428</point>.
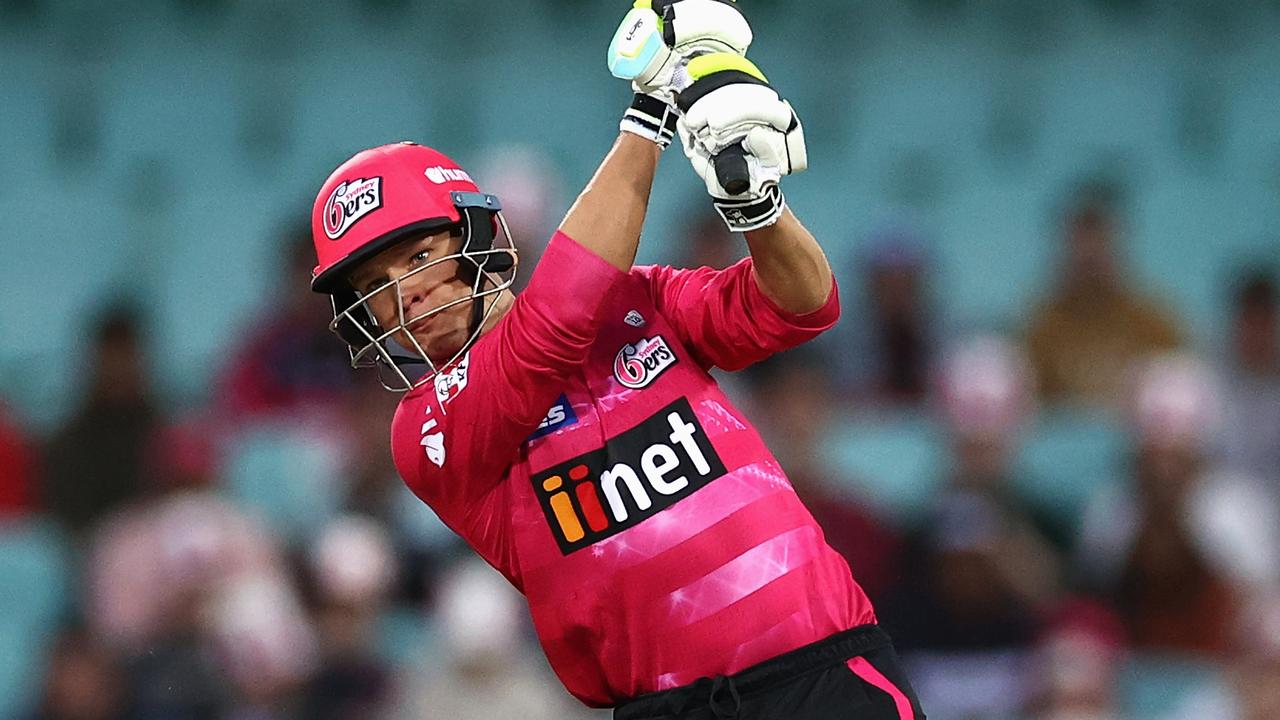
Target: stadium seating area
<point>158,154</point>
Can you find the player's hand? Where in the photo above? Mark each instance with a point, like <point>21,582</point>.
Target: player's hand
<point>652,47</point>
<point>732,115</point>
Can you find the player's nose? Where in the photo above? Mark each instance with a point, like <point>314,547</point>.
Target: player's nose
<point>412,295</point>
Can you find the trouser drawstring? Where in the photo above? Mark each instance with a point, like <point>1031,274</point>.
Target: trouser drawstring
<point>724,707</point>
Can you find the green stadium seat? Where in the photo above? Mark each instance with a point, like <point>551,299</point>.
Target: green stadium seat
<point>34,591</point>
<point>292,478</point>
<point>895,460</point>
<point>1066,457</point>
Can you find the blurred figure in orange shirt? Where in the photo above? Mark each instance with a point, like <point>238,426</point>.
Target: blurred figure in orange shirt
<point>1095,326</point>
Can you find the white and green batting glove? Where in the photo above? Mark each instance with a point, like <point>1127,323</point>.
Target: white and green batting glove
<point>652,47</point>
<point>741,137</point>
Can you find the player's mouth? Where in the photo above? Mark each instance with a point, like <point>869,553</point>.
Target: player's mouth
<point>422,325</point>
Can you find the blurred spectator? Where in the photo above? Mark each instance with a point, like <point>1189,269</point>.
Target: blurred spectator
<point>373,476</point>
<point>884,346</point>
<point>1183,546</point>
<point>1085,337</point>
<point>987,404</point>
<point>94,462</point>
<point>962,625</point>
<point>82,682</point>
<point>486,667</point>
<point>353,570</point>
<point>264,642</point>
<point>981,568</point>
<point>17,468</point>
<point>422,544</point>
<point>795,407</point>
<point>286,362</point>
<point>1251,436</point>
<point>165,578</point>
<point>1251,687</point>
<point>1078,665</point>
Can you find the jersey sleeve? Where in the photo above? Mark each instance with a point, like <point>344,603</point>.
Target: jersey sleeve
<point>724,318</point>
<point>454,439</point>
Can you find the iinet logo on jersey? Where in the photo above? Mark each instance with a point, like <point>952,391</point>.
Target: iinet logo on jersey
<point>636,475</point>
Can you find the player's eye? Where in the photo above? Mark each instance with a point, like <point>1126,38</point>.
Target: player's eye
<point>419,257</point>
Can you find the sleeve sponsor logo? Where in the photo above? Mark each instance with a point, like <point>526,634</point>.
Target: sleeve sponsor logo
<point>451,383</point>
<point>560,415</point>
<point>440,175</point>
<point>636,475</point>
<point>640,363</point>
<point>634,319</point>
<point>349,202</point>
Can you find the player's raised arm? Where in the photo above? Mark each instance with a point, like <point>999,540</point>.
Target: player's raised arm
<point>607,217</point>
<point>789,265</point>
<point>731,107</point>
<point>652,47</point>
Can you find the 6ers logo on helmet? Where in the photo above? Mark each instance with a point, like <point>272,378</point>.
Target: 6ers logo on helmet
<point>640,363</point>
<point>349,202</point>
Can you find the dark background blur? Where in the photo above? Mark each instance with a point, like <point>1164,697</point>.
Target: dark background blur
<point>1046,432</point>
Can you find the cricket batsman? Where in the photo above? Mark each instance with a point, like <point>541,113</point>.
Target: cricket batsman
<point>572,434</point>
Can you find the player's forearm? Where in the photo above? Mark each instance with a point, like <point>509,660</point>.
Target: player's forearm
<point>609,214</point>
<point>789,265</point>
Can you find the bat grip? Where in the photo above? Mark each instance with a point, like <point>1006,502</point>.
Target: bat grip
<point>731,169</point>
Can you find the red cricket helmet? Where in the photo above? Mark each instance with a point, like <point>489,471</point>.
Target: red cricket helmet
<point>383,196</point>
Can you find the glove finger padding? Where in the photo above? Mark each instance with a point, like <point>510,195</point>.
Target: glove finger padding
<point>785,150</point>
<point>713,25</point>
<point>657,37</point>
<point>731,103</point>
<point>757,208</point>
<point>726,114</point>
<point>760,171</point>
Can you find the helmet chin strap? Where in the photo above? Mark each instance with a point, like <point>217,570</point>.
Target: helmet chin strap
<point>477,306</point>
<point>477,240</point>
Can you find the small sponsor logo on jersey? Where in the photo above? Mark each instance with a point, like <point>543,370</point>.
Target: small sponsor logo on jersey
<point>560,415</point>
<point>440,175</point>
<point>351,201</point>
<point>634,319</point>
<point>640,363</point>
<point>636,475</point>
<point>434,446</point>
<point>453,381</point>
<point>432,442</point>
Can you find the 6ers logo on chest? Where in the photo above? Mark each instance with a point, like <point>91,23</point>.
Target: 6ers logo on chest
<point>640,363</point>
<point>349,202</point>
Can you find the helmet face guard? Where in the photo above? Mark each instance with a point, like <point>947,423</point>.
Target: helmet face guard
<point>401,361</point>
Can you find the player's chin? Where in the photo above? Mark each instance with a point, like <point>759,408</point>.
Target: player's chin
<point>442,347</point>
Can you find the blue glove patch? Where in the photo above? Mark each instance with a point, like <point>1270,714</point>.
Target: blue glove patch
<point>636,44</point>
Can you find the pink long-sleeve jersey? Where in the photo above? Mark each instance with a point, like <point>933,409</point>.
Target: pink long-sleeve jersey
<point>584,451</point>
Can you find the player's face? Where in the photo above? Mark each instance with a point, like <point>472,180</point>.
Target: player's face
<point>434,284</point>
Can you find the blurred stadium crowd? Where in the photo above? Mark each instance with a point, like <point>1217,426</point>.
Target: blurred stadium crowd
<point>1069,512</point>
<point>259,558</point>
